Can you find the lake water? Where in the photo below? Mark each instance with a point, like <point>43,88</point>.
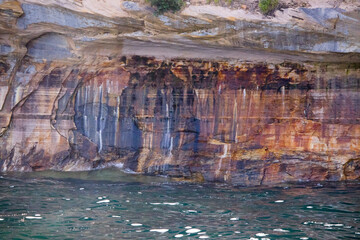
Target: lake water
<point>109,204</point>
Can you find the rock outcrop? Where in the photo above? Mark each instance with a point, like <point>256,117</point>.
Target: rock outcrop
<point>207,94</point>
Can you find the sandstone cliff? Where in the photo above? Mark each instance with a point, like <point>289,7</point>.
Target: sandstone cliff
<point>210,93</point>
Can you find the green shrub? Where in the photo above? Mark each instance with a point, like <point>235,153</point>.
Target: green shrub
<point>218,1</point>
<point>268,6</point>
<point>166,5</point>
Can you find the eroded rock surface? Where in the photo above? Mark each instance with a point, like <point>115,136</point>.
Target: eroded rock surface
<point>208,94</point>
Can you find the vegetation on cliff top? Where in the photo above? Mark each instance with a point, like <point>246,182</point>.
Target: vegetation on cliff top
<point>162,6</point>
<point>268,6</point>
<point>166,5</point>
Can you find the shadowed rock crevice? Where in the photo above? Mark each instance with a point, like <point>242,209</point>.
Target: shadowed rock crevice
<point>352,169</point>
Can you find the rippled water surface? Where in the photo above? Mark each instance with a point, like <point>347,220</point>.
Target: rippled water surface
<point>108,204</point>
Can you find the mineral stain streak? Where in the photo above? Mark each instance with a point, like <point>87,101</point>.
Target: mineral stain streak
<point>215,106</point>
<point>168,117</point>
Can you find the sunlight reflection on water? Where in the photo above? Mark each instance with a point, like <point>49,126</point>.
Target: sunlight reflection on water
<point>109,204</point>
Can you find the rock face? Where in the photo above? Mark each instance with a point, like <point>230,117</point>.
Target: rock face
<point>204,95</point>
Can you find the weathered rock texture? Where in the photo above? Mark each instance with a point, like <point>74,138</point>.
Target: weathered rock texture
<point>207,94</point>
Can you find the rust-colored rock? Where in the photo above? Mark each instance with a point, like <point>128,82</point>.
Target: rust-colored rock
<point>247,124</point>
<point>12,7</point>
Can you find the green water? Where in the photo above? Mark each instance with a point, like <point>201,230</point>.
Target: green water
<point>109,204</point>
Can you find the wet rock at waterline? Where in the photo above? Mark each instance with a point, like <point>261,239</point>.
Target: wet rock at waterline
<point>80,91</point>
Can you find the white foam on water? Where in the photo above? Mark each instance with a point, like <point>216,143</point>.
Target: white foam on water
<point>127,220</point>
<point>179,235</point>
<point>310,207</point>
<point>188,227</point>
<point>201,233</point>
<point>100,198</point>
<point>1,219</point>
<point>193,230</point>
<point>204,236</point>
<point>280,230</point>
<point>159,230</point>
<point>279,201</point>
<point>265,239</point>
<point>166,203</point>
<point>190,211</point>
<point>31,217</point>
<point>234,219</point>
<point>12,186</point>
<point>357,233</point>
<point>252,238</point>
<point>136,224</point>
<point>127,201</point>
<point>261,234</point>
<point>81,188</point>
<point>86,218</point>
<point>325,224</point>
<point>103,201</point>
<point>67,199</point>
<point>333,224</point>
<point>304,238</point>
<point>171,204</point>
<point>37,215</point>
<point>237,232</point>
<point>116,216</point>
<point>138,231</point>
<point>88,209</point>
<point>139,192</point>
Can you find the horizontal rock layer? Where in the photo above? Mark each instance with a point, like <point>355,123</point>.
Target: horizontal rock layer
<point>179,95</point>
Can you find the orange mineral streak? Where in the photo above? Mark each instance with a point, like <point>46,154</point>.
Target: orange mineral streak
<point>246,124</point>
